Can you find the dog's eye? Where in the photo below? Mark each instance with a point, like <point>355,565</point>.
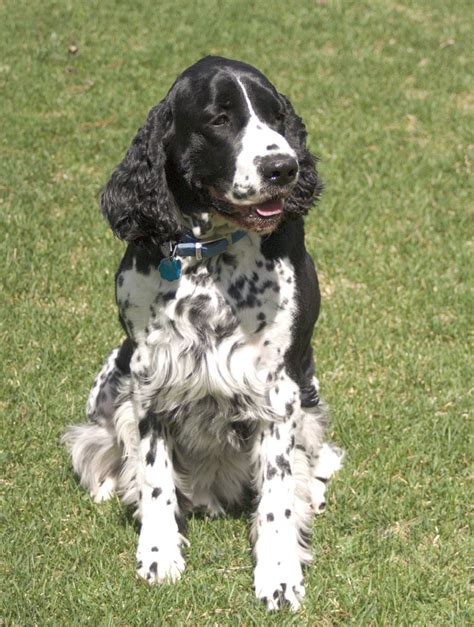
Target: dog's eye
<point>280,116</point>
<point>220,120</point>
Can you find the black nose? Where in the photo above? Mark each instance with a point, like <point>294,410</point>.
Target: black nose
<point>279,170</point>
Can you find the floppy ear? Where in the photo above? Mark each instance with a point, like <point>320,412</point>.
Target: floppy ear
<point>308,186</point>
<point>136,200</point>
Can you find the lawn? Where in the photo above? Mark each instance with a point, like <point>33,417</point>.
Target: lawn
<point>386,92</point>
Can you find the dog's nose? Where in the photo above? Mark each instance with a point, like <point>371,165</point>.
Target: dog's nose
<point>280,170</point>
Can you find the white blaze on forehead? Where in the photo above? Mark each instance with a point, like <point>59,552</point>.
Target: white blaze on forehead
<point>247,100</point>
<point>258,140</point>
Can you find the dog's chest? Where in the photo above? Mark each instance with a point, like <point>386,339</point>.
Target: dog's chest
<point>221,330</point>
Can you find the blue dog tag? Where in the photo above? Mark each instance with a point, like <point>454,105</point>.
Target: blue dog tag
<point>170,268</point>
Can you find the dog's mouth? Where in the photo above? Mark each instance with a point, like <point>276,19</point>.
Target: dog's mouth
<point>262,217</point>
<point>270,208</point>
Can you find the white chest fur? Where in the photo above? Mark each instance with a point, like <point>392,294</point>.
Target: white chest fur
<point>219,331</point>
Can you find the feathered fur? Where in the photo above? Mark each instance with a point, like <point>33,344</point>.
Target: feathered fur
<point>213,396</point>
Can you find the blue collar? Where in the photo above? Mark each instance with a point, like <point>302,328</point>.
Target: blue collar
<point>189,246</point>
<point>170,267</point>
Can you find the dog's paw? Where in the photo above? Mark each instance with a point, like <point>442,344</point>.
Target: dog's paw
<point>160,563</point>
<point>105,490</point>
<point>329,461</point>
<point>280,586</point>
<point>318,491</point>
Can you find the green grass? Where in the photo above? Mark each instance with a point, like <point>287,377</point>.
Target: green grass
<point>385,90</point>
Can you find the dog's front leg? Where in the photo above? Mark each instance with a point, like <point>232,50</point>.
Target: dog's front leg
<point>278,573</point>
<point>159,555</point>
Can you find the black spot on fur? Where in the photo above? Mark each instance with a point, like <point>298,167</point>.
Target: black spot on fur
<point>144,426</point>
<point>271,471</point>
<point>156,493</point>
<point>283,465</point>
<point>287,513</point>
<point>250,301</point>
<point>225,329</point>
<point>154,549</point>
<point>291,445</point>
<point>270,517</point>
<point>268,284</point>
<point>182,305</point>
<point>169,296</point>
<point>250,191</point>
<point>150,456</point>
<point>228,260</point>
<point>253,289</point>
<point>154,567</point>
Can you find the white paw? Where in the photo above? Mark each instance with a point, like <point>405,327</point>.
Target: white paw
<point>329,461</point>
<point>279,585</point>
<point>161,562</point>
<point>105,491</point>
<point>318,500</point>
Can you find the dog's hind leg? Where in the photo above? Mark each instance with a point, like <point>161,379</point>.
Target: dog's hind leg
<point>323,466</point>
<point>324,459</point>
<point>95,450</point>
<point>96,458</point>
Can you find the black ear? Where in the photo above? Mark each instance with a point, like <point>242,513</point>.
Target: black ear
<point>136,200</point>
<point>308,187</point>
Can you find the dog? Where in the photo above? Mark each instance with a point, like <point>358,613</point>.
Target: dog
<point>212,395</point>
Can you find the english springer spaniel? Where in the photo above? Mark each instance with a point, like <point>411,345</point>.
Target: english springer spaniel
<point>212,396</point>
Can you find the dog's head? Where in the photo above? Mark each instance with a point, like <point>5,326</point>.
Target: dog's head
<point>223,145</point>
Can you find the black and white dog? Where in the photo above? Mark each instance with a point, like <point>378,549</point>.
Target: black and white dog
<point>213,393</point>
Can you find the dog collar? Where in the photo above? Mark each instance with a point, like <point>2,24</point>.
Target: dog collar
<point>189,246</point>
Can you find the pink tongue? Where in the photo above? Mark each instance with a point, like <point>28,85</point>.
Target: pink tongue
<point>270,208</point>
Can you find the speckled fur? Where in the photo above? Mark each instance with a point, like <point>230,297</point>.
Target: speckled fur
<point>213,395</point>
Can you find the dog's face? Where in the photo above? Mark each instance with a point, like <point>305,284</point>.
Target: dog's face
<point>223,142</point>
<point>229,141</point>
